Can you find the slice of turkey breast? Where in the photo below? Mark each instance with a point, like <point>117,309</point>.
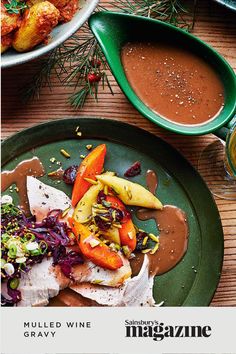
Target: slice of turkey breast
<point>44,198</point>
<point>136,291</point>
<point>44,281</point>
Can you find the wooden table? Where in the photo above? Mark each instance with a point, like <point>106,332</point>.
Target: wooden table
<point>214,24</point>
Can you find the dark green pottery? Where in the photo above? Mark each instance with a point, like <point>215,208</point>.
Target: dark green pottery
<point>113,30</point>
<point>230,4</point>
<point>194,280</point>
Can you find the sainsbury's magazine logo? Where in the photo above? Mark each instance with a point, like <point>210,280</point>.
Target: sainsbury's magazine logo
<point>159,331</point>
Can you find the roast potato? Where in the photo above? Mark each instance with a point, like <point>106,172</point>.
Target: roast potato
<point>131,193</point>
<point>67,8</point>
<point>6,42</point>
<point>9,22</point>
<point>37,23</point>
<point>57,3</point>
<point>67,12</point>
<point>60,3</point>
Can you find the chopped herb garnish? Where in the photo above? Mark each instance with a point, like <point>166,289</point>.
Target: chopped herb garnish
<point>15,7</point>
<point>106,204</point>
<point>14,283</point>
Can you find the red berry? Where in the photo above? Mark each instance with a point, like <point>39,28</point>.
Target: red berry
<point>92,78</point>
<point>95,63</point>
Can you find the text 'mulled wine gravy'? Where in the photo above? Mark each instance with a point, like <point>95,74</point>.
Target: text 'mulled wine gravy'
<point>174,82</point>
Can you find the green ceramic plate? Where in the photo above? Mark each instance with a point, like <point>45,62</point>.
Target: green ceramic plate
<point>194,280</point>
<point>231,4</point>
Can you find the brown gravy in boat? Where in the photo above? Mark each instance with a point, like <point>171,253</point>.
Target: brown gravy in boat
<point>174,82</point>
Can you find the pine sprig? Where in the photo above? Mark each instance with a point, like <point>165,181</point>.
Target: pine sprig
<point>42,77</point>
<point>171,11</point>
<point>80,62</point>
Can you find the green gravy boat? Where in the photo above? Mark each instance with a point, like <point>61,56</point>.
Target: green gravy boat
<point>114,30</point>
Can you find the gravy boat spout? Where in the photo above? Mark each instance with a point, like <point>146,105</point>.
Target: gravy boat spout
<point>114,30</point>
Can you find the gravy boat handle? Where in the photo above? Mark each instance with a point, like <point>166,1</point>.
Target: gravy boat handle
<point>223,131</point>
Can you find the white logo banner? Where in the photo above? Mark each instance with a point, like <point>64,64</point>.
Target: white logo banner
<point>89,330</point>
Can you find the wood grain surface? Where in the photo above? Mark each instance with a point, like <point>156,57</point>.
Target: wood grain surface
<point>214,24</point>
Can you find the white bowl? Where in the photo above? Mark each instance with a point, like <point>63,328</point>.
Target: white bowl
<point>59,34</point>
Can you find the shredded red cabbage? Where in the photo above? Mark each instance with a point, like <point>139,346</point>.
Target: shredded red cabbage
<point>51,235</point>
<point>6,302</point>
<point>66,260</point>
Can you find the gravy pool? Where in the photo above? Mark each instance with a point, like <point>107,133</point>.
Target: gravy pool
<point>175,83</point>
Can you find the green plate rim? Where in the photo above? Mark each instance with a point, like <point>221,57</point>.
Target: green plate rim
<point>168,157</point>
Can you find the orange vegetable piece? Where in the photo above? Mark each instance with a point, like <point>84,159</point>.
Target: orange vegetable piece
<point>91,166</point>
<point>127,232</point>
<point>115,202</point>
<point>128,235</point>
<point>100,254</point>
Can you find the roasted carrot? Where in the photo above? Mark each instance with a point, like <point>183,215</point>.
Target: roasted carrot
<point>115,202</point>
<point>127,232</point>
<point>89,168</point>
<point>91,247</point>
